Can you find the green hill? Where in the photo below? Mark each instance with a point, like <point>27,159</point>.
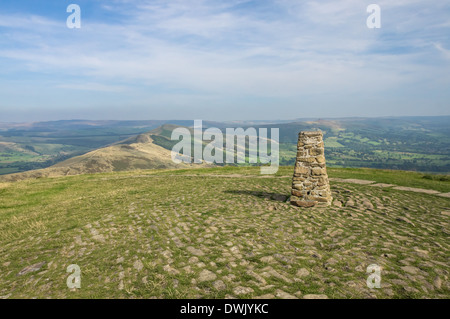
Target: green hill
<point>134,153</point>
<point>404,143</point>
<point>222,232</point>
<point>43,144</point>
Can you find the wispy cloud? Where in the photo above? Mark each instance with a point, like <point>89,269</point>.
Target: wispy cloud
<point>282,56</point>
<point>92,87</point>
<point>445,52</point>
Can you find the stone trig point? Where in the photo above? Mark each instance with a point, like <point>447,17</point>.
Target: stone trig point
<point>310,185</point>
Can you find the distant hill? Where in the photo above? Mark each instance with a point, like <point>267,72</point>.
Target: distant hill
<point>137,152</point>
<point>404,143</point>
<point>31,146</point>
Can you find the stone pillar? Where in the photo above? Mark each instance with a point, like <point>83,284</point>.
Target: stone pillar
<point>310,185</point>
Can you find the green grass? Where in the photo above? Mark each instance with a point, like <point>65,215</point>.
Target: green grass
<point>402,178</point>
<point>439,183</point>
<point>18,157</point>
<point>332,142</point>
<point>131,234</point>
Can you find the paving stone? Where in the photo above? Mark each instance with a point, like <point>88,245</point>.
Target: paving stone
<point>242,290</point>
<point>313,296</point>
<point>195,251</point>
<point>32,268</point>
<point>417,190</point>
<point>284,295</point>
<point>206,275</point>
<point>410,269</point>
<point>219,285</point>
<point>302,273</point>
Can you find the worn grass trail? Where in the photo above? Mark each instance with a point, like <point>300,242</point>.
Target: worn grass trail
<point>181,235</point>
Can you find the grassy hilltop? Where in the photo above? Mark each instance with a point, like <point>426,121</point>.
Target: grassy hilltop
<point>223,232</point>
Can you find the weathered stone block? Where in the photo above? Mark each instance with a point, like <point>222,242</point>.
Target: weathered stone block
<point>302,152</point>
<point>320,159</point>
<point>301,170</point>
<point>309,134</point>
<point>323,199</point>
<point>316,151</point>
<point>306,159</point>
<point>297,193</point>
<point>318,171</point>
<point>303,203</point>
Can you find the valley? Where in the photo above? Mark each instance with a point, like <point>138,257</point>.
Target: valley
<point>414,143</point>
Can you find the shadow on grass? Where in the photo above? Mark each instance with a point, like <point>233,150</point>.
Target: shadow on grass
<point>272,196</point>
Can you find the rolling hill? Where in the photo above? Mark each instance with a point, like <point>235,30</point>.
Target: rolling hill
<point>403,143</point>
<point>43,144</point>
<point>137,152</point>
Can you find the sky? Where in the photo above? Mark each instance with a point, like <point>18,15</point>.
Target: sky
<point>223,60</point>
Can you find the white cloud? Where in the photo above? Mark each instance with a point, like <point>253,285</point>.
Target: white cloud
<point>92,87</point>
<point>445,52</point>
<point>216,49</point>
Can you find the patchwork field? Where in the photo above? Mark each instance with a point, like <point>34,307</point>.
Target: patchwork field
<point>222,233</point>
<point>404,143</point>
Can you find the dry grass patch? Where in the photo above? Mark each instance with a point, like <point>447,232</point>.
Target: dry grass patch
<point>4,185</point>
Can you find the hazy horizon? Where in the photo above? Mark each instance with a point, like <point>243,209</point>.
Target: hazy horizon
<point>280,120</point>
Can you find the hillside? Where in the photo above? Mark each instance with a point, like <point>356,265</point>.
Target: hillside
<point>416,143</point>
<point>404,143</point>
<point>223,232</point>
<point>40,145</point>
<point>137,152</point>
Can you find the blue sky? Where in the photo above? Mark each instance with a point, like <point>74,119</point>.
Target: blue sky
<point>223,60</point>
